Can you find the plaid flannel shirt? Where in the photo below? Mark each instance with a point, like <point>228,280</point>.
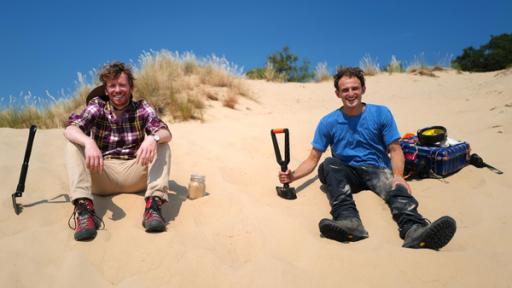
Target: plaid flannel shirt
<point>117,138</point>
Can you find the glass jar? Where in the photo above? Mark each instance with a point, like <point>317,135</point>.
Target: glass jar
<point>196,186</point>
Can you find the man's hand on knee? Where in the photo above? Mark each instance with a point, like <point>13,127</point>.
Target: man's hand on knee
<point>398,180</point>
<point>93,157</point>
<point>147,151</point>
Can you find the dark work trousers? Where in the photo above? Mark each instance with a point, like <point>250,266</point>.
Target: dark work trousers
<point>342,181</point>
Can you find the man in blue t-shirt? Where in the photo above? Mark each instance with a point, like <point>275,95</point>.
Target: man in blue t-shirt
<point>366,155</point>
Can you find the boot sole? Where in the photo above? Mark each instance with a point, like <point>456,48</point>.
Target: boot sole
<point>437,235</point>
<point>154,226</point>
<point>85,235</point>
<point>330,230</point>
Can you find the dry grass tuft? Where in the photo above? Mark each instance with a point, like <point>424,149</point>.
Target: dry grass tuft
<point>419,63</point>
<point>322,73</point>
<point>272,75</point>
<point>369,65</point>
<point>239,88</point>
<point>438,68</point>
<point>210,95</point>
<point>175,84</point>
<point>230,101</point>
<point>214,77</point>
<point>419,67</point>
<point>422,72</point>
<point>395,66</point>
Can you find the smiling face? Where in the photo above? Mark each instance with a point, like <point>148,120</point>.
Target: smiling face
<point>119,91</point>
<point>351,92</point>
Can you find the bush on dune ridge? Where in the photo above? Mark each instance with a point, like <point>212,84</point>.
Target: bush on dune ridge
<point>494,55</point>
<point>177,85</point>
<point>283,66</point>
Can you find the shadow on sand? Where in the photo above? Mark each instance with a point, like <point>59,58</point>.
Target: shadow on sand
<point>104,203</point>
<point>171,210</point>
<point>46,201</point>
<point>177,194</point>
<point>306,184</point>
<point>50,201</point>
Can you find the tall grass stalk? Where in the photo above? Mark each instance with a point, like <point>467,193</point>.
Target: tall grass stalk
<point>322,72</point>
<point>418,63</point>
<point>420,67</point>
<point>271,74</point>
<point>369,65</point>
<point>395,66</point>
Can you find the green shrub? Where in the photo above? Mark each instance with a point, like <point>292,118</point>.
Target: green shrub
<point>495,55</point>
<point>284,66</point>
<point>256,73</point>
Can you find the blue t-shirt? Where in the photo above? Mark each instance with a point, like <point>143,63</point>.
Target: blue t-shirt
<point>360,140</point>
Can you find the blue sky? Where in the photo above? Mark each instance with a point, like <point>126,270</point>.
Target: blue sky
<point>45,43</point>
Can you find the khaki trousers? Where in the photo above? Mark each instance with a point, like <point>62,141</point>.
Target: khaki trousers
<point>118,176</point>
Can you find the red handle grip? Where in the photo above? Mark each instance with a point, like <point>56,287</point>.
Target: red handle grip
<point>279,130</point>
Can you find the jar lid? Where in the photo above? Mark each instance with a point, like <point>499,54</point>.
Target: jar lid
<point>197,177</point>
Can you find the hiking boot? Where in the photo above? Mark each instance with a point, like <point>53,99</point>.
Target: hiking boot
<point>86,221</point>
<point>153,220</point>
<point>431,236</point>
<point>343,230</point>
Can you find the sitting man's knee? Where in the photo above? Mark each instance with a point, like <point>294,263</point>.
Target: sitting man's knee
<point>328,164</point>
<point>163,149</point>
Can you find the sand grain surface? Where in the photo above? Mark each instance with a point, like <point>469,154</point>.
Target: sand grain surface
<point>242,234</point>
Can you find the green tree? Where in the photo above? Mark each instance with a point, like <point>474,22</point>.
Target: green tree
<point>495,55</point>
<point>285,65</point>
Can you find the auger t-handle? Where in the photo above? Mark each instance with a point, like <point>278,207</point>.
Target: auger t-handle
<point>286,191</point>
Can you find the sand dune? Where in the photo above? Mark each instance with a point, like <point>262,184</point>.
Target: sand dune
<point>242,234</point>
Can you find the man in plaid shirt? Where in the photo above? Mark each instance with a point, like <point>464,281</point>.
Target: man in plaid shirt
<point>117,145</point>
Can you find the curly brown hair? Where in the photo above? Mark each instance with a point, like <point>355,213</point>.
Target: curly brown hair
<point>115,69</point>
<point>348,72</point>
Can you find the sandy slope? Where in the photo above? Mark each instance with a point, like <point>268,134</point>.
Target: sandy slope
<point>242,234</point>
